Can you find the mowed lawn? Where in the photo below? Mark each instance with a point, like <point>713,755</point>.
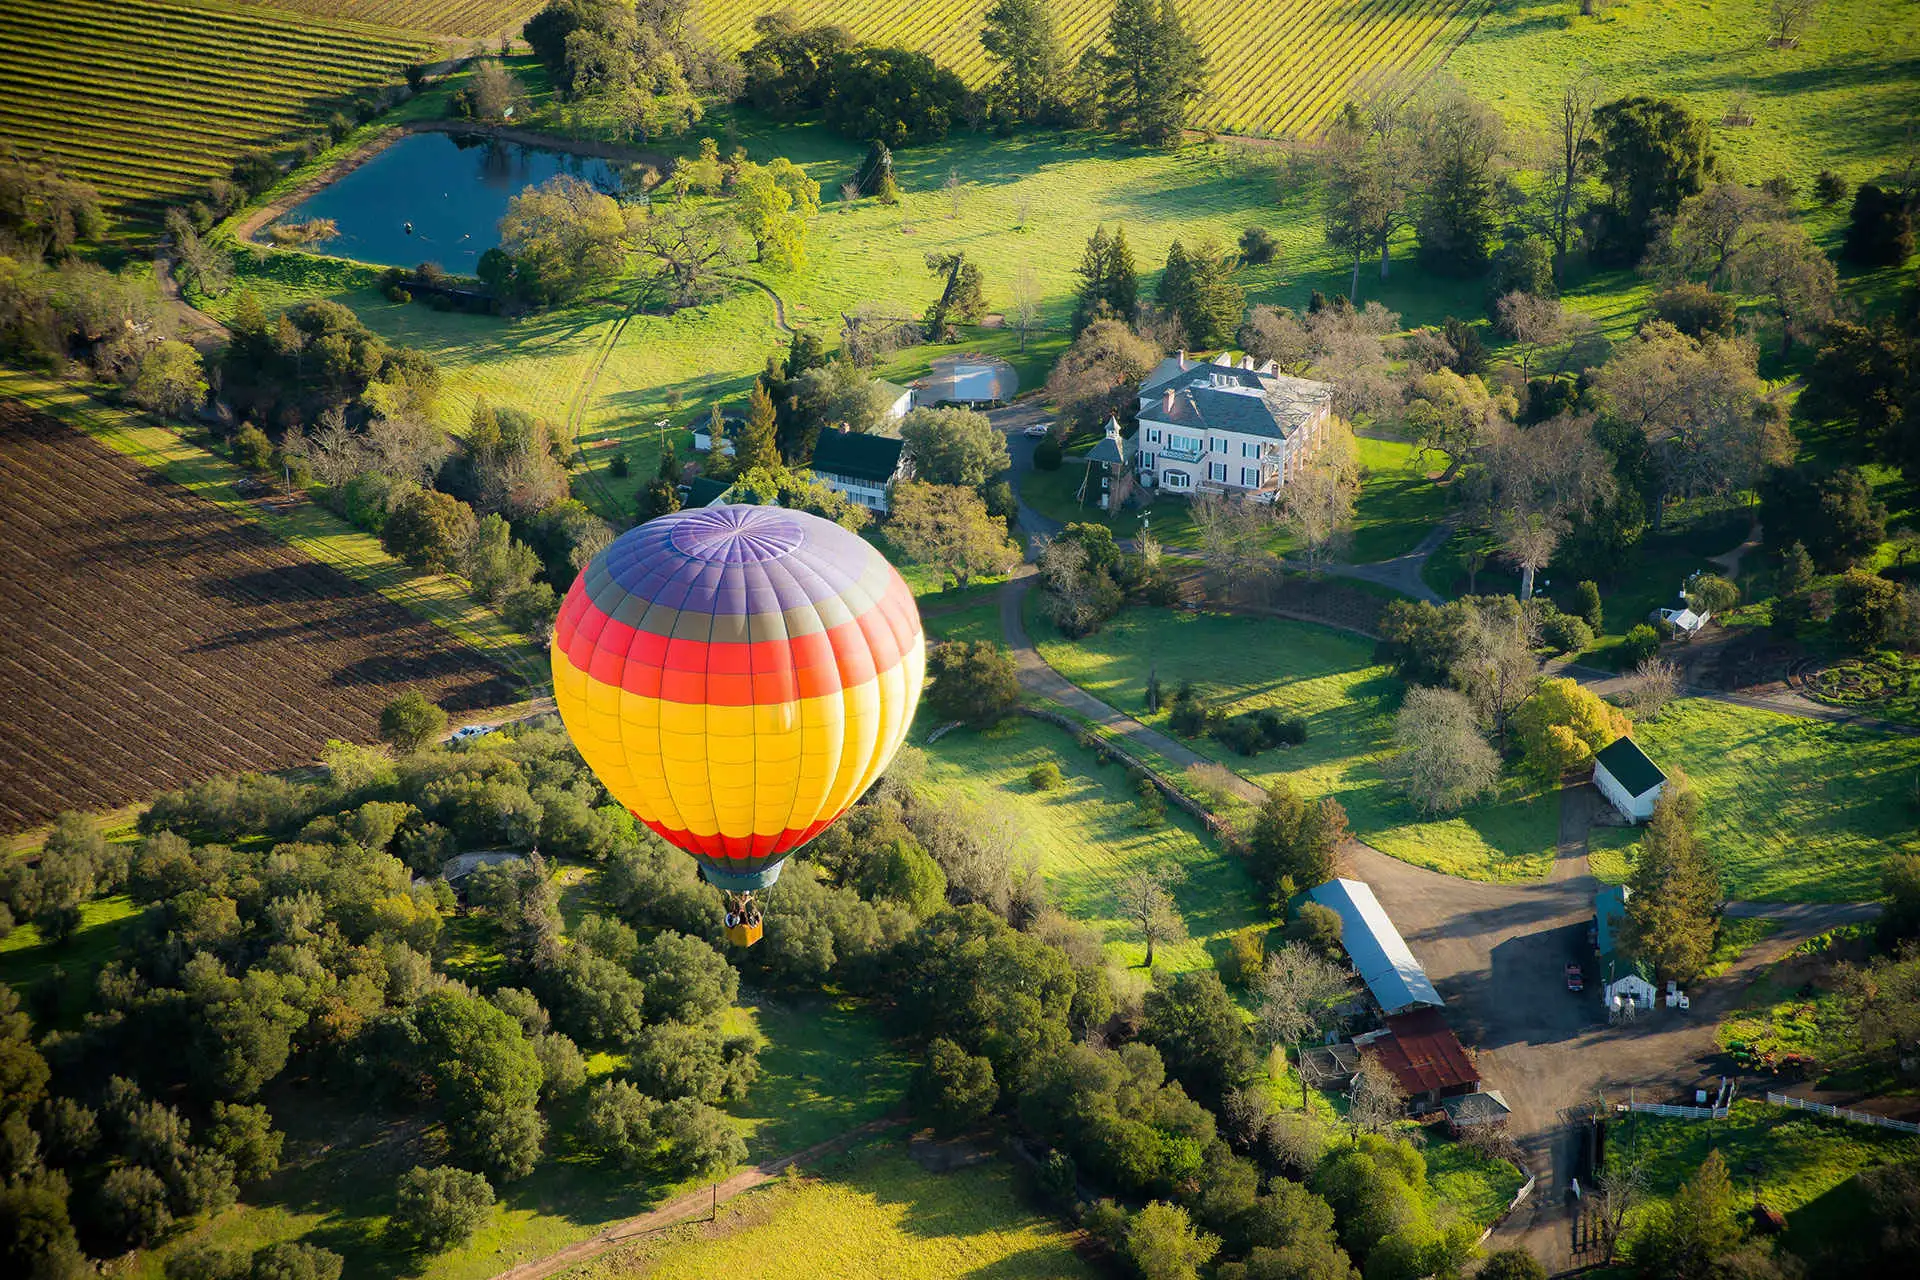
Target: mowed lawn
<point>1797,810</point>
<point>1329,679</point>
<point>1085,839</point>
<point>880,1215</point>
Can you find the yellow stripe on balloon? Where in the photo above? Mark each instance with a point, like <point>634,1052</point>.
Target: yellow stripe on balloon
<point>741,770</point>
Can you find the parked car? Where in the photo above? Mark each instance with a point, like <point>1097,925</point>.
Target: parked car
<point>1576,981</point>
<point>467,731</point>
<point>1039,429</point>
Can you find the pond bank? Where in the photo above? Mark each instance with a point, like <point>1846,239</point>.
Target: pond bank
<point>249,224</point>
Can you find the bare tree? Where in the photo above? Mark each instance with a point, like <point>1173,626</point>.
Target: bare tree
<point>1621,1186</point>
<point>1786,19</point>
<point>1022,208</point>
<point>1233,542</point>
<point>1317,504</point>
<point>1025,312</point>
<point>332,451</point>
<point>1443,761</point>
<point>1497,668</point>
<point>1528,540</point>
<point>1542,324</point>
<point>1377,1100</point>
<point>849,193</point>
<point>1300,994</point>
<point>1782,262</point>
<point>1653,684</point>
<point>1146,900</point>
<point>1575,136</point>
<point>956,189</point>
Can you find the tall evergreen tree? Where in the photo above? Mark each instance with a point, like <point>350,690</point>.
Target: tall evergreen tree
<point>1122,288</point>
<point>1676,889</point>
<point>1151,70</point>
<point>1108,284</point>
<point>661,496</point>
<point>1019,36</point>
<point>757,445</point>
<point>1174,293</point>
<point>1460,140</point>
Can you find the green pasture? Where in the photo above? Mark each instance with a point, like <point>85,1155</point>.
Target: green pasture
<point>1798,1164</point>
<point>877,1213</point>
<point>307,527</point>
<point>1475,1186</point>
<point>1084,837</point>
<point>1795,810</point>
<point>1328,678</point>
<point>1841,99</point>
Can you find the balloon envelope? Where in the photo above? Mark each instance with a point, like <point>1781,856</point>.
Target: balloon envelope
<point>737,677</point>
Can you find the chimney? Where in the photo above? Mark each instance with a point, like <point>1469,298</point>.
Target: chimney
<point>1183,359</point>
<point>1167,400</point>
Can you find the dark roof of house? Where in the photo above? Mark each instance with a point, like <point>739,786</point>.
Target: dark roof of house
<point>1609,913</point>
<point>705,491</point>
<point>1231,398</point>
<point>1630,766</point>
<point>1424,1054</point>
<point>1477,1108</point>
<point>856,455</point>
<point>1111,448</point>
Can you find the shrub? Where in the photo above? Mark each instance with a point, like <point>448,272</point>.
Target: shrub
<point>1046,776</point>
<point>1189,716</point>
<point>973,683</point>
<point>251,448</point>
<point>1695,310</point>
<point>1711,593</point>
<point>410,721</point>
<point>291,1260</point>
<point>1245,958</point>
<point>1829,188</point>
<point>1258,247</point>
<point>955,1087</point>
<point>1566,633</point>
<point>1868,610</point>
<point>442,1207</point>
<point>1240,734</point>
<point>1880,231</point>
<point>1586,604</point>
<point>1642,643</point>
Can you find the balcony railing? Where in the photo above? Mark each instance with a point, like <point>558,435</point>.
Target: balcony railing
<point>1179,454</point>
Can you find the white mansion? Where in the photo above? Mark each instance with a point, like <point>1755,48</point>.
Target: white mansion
<point>1226,426</point>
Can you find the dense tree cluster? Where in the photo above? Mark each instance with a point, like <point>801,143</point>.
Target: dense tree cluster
<point>640,62</point>
<point>867,92</point>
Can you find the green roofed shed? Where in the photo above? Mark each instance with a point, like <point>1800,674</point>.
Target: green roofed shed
<point>1630,781</point>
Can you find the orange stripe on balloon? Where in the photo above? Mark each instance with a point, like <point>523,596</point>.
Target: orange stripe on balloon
<point>703,673</point>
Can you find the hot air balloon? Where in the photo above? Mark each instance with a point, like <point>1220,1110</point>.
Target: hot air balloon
<point>738,676</point>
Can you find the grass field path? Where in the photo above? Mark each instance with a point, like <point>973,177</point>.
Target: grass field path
<point>687,1206</point>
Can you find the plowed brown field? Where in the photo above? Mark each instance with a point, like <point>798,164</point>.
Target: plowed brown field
<point>148,639</point>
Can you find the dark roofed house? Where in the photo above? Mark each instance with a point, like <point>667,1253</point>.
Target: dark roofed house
<point>1468,1109</point>
<point>1228,425</point>
<point>860,466</point>
<point>1630,781</point>
<point>705,491</point>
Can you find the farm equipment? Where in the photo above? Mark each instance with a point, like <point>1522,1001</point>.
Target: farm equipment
<point>1576,981</point>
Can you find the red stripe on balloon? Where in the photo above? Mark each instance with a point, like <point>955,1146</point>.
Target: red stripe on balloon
<point>721,848</point>
<point>757,673</point>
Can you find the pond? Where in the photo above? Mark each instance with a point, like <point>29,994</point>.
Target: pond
<point>437,197</point>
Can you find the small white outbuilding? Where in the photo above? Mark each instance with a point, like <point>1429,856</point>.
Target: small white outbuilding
<point>1631,782</point>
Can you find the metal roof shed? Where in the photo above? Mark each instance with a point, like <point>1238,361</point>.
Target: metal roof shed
<point>1379,954</point>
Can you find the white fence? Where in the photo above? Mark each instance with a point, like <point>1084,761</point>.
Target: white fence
<point>1683,1113</point>
<point>1843,1113</point>
<point>1519,1197</point>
